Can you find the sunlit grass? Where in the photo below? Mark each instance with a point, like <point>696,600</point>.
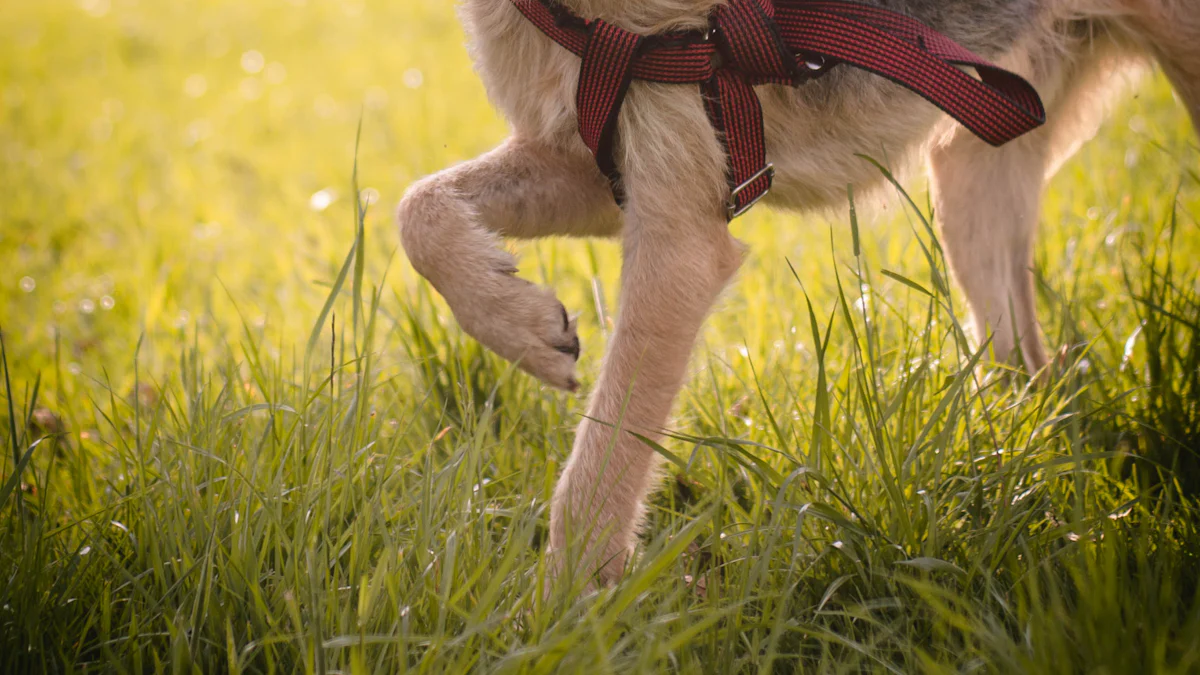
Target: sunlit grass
<point>217,475</point>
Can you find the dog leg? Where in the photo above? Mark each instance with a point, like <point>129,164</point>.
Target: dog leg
<point>451,224</point>
<point>987,200</point>
<point>676,262</point>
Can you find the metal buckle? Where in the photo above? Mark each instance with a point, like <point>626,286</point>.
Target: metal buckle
<point>731,208</point>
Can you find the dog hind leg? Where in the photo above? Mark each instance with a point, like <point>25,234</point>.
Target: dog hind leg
<point>987,201</point>
<point>451,224</point>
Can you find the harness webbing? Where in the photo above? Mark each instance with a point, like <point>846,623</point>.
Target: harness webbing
<point>753,42</point>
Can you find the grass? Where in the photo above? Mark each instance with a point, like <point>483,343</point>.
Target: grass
<point>241,436</point>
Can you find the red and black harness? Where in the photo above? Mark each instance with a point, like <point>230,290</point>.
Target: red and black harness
<point>788,42</point>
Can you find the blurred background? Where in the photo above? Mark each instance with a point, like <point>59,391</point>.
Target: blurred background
<point>166,158</point>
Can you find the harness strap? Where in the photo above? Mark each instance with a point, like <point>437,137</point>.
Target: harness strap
<point>604,80</point>
<point>754,42</point>
<point>750,41</point>
<point>998,107</point>
<point>734,108</point>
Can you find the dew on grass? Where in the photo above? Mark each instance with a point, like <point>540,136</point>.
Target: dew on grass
<point>218,46</point>
<point>1130,344</point>
<point>195,86</point>
<point>85,550</point>
<point>276,73</point>
<point>87,305</point>
<point>253,61</point>
<point>863,304</point>
<point>95,8</point>
<point>251,89</point>
<point>322,199</point>
<point>376,98</point>
<point>28,284</point>
<point>101,130</point>
<point>413,78</point>
<point>325,106</point>
<point>202,231</point>
<point>198,131</point>
<point>114,110</point>
<point>107,303</point>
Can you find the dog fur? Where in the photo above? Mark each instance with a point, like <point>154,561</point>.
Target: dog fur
<point>677,252</point>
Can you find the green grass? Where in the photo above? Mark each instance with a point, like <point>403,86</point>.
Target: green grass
<point>213,474</point>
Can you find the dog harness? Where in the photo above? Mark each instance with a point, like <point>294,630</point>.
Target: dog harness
<point>787,42</point>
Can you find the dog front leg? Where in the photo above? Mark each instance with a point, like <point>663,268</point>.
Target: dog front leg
<point>675,265</point>
<point>451,224</point>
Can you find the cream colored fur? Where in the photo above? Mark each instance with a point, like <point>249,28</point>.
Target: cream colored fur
<point>678,253</point>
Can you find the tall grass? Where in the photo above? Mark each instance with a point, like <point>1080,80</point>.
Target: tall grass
<point>904,509</point>
<point>240,435</point>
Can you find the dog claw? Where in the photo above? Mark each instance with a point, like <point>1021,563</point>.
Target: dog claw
<point>526,324</point>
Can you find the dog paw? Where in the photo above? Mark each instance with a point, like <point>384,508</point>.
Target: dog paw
<point>526,324</point>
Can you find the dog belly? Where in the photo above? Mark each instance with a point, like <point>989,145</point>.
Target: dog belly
<point>818,136</point>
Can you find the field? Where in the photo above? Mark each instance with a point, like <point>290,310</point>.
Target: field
<point>240,435</point>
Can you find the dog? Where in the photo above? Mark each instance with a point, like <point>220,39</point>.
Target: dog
<point>678,254</point>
